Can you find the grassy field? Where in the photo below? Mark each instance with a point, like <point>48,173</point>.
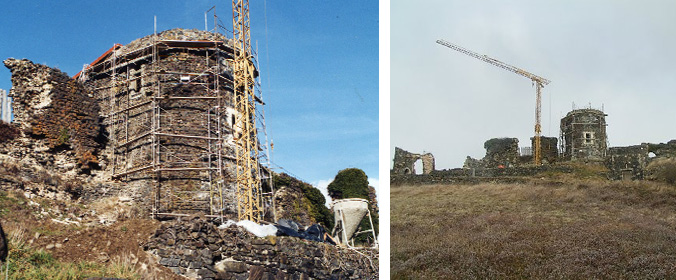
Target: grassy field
<point>569,229</point>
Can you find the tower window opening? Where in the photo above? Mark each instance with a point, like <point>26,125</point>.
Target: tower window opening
<point>589,138</point>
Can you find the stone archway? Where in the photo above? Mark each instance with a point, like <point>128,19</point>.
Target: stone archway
<point>404,162</point>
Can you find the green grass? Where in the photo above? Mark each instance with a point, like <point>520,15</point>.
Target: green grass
<point>574,229</point>
<point>26,262</point>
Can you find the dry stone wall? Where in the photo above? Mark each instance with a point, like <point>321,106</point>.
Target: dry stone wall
<point>196,248</point>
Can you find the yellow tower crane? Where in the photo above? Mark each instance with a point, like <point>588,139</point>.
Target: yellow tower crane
<point>539,82</point>
<point>248,178</point>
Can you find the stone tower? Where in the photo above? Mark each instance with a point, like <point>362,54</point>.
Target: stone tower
<point>583,135</point>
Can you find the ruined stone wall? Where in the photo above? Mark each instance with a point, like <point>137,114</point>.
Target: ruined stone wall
<point>55,110</point>
<point>501,151</point>
<point>627,163</point>
<point>197,249</point>
<point>428,163</point>
<point>404,162</point>
<point>550,148</point>
<point>583,135</point>
<point>631,162</point>
<point>478,175</point>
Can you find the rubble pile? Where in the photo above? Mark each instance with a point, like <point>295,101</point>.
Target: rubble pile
<point>196,248</point>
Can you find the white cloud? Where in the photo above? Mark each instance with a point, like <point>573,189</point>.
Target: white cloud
<point>323,186</point>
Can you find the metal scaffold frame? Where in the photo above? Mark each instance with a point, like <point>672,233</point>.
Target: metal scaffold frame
<point>161,163</point>
<point>146,114</point>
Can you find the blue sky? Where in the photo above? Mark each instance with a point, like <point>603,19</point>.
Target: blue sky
<point>318,62</point>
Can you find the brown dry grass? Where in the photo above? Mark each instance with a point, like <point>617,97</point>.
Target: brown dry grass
<point>545,229</point>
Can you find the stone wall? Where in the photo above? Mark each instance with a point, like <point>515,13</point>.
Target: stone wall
<point>55,110</point>
<point>550,148</point>
<point>427,162</point>
<point>404,162</point>
<point>501,151</point>
<point>478,175</point>
<point>196,248</point>
<point>627,163</point>
<point>631,162</point>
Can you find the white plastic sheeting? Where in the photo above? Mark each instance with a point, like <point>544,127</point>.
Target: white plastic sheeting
<point>256,229</point>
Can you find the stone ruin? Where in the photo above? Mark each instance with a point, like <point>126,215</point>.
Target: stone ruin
<point>404,162</point>
<point>549,149</point>
<point>56,113</point>
<point>583,136</point>
<point>633,162</point>
<point>501,152</point>
<point>153,121</point>
<point>167,112</point>
<point>583,139</point>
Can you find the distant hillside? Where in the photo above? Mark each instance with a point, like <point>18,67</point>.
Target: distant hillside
<point>540,228</point>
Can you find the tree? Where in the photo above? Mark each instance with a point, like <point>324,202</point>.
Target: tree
<point>349,183</point>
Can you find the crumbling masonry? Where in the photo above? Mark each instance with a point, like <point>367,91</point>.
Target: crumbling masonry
<point>633,162</point>
<point>55,109</point>
<point>157,115</point>
<point>404,162</point>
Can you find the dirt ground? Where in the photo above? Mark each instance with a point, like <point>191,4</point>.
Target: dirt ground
<point>89,240</point>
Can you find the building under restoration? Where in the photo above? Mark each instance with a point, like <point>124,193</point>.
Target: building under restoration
<point>5,106</point>
<point>168,110</point>
<point>583,135</point>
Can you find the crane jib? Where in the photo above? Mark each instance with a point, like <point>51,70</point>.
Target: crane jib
<point>539,81</point>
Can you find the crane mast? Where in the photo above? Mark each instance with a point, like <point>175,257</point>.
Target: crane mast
<point>539,82</point>
<point>248,178</point>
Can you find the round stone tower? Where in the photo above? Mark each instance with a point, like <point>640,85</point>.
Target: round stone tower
<point>583,135</point>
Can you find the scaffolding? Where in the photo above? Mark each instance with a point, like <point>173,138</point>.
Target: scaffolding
<point>171,126</point>
<point>181,114</point>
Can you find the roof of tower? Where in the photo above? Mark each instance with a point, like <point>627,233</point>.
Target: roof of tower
<point>176,34</point>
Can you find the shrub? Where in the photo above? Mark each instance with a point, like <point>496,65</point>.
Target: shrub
<point>663,170</point>
<point>312,196</point>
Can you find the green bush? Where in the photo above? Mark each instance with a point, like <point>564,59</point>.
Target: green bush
<point>318,210</point>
